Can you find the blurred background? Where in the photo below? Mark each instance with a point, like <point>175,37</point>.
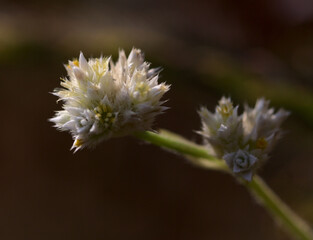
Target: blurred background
<point>125,189</point>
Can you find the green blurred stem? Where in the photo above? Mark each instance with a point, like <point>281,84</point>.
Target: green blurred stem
<point>179,145</point>
<point>263,194</point>
<point>278,209</point>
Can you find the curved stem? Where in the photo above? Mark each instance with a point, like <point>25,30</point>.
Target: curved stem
<point>265,196</point>
<point>279,210</point>
<point>180,145</point>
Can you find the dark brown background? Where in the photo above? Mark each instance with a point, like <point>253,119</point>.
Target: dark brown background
<point>125,189</point>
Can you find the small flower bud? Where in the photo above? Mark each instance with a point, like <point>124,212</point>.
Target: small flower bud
<point>243,141</point>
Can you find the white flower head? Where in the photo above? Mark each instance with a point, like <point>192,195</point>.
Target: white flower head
<point>102,99</point>
<point>243,141</point>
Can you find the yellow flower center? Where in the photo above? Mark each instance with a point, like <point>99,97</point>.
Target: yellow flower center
<point>225,109</point>
<point>78,143</point>
<point>99,66</point>
<point>142,88</point>
<point>76,62</point>
<point>261,143</point>
<point>105,115</point>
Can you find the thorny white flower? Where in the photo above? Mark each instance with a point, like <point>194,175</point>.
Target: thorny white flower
<point>243,141</point>
<point>103,99</point>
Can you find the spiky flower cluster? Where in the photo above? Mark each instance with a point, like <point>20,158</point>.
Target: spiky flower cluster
<point>243,141</point>
<point>103,99</point>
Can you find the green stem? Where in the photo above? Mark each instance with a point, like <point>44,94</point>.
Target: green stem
<point>180,145</point>
<point>257,186</point>
<point>279,210</point>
